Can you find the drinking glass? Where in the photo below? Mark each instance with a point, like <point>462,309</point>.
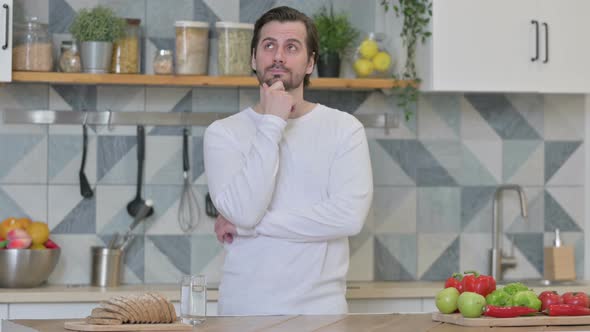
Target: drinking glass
<point>193,299</point>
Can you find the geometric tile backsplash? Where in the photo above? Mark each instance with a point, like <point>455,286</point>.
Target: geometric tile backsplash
<point>434,176</point>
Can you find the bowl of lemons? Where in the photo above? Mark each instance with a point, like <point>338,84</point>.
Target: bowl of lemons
<point>372,58</point>
<point>27,255</point>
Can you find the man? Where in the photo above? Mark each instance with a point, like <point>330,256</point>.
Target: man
<point>291,180</point>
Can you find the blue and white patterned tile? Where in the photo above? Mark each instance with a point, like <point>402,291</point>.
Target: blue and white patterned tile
<point>379,103</point>
<point>228,10</point>
<point>523,162</point>
<point>346,102</point>
<point>134,261</point>
<point>564,117</point>
<point>116,160</point>
<point>247,97</point>
<point>71,98</point>
<point>28,159</point>
<point>127,9</point>
<point>564,208</point>
<point>221,100</point>
<point>362,261</point>
<point>571,172</point>
<point>530,106</point>
<point>111,208</point>
<point>474,126</point>
<point>69,212</point>
<point>395,257</point>
<point>73,266</point>
<point>486,162</point>
<point>21,97</point>
<point>575,239</point>
<point>438,255</point>
<point>502,116</point>
<point>117,99</point>
<point>529,255</point>
<point>163,160</point>
<point>476,209</point>
<point>206,257</point>
<point>167,258</point>
<point>65,158</point>
<point>439,210</point>
<point>250,11</point>
<point>168,100</point>
<point>197,165</point>
<point>385,170</point>
<point>475,254</point>
<point>161,15</point>
<point>535,220</point>
<point>24,201</point>
<point>394,210</point>
<point>440,117</point>
<point>31,8</point>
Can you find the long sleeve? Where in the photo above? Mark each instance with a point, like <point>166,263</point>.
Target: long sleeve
<point>241,184</point>
<point>350,192</point>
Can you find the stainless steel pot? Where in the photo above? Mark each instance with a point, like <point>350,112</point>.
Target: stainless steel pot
<point>26,268</point>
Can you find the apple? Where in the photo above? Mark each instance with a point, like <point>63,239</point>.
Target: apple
<point>446,300</point>
<point>471,304</point>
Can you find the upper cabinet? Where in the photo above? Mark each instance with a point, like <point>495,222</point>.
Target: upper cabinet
<point>507,46</point>
<point>5,40</point>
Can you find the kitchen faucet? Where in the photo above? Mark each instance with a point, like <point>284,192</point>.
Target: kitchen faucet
<point>497,259</point>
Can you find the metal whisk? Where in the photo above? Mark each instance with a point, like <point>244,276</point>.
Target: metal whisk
<point>188,210</point>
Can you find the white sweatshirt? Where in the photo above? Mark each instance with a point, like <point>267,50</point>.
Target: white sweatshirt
<point>296,190</point>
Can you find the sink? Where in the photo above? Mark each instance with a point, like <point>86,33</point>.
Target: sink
<point>545,282</point>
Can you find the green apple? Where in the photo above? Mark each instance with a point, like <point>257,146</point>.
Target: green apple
<point>471,304</point>
<point>446,300</point>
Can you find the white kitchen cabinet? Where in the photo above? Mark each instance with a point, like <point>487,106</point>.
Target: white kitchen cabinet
<point>3,311</point>
<point>506,46</point>
<point>6,40</point>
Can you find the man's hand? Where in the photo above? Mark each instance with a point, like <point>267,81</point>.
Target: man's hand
<point>275,100</point>
<point>225,230</point>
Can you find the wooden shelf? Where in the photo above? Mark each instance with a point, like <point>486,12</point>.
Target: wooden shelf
<point>210,81</point>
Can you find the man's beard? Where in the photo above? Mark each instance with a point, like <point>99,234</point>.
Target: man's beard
<point>289,84</point>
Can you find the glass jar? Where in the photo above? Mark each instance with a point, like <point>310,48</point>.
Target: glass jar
<point>69,59</point>
<point>31,49</point>
<point>372,57</point>
<point>192,47</point>
<point>233,55</point>
<point>127,49</point>
<point>163,62</point>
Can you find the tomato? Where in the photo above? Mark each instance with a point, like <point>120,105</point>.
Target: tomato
<point>576,298</point>
<point>548,298</point>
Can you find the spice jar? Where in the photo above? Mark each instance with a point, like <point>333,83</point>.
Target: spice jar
<point>163,62</point>
<point>127,49</point>
<point>31,50</point>
<point>233,56</point>
<point>192,47</point>
<point>69,60</point>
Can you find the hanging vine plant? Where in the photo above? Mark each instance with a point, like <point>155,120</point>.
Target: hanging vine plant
<point>416,17</point>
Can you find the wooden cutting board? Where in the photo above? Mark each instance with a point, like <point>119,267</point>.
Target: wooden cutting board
<point>83,326</point>
<point>537,320</point>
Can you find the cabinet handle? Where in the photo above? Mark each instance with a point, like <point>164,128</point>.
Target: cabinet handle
<point>5,46</point>
<point>536,23</point>
<point>546,42</point>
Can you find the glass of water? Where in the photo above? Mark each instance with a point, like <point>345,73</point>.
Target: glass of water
<point>193,299</point>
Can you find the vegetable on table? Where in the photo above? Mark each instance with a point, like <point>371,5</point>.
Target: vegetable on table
<point>498,298</point>
<point>576,298</point>
<point>567,310</point>
<point>478,283</point>
<point>455,282</point>
<point>507,312</point>
<point>525,298</point>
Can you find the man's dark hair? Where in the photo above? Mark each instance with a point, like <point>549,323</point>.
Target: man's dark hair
<point>288,14</point>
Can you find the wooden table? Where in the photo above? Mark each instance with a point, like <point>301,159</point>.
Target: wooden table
<point>352,323</point>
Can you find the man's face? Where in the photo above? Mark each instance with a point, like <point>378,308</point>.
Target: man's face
<point>281,54</point>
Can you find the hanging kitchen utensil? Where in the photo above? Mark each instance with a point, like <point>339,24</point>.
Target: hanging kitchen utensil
<point>135,205</point>
<point>188,210</point>
<point>210,209</point>
<point>141,215</point>
<point>85,189</point>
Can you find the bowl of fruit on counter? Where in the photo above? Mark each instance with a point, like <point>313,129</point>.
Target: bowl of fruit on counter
<point>27,255</point>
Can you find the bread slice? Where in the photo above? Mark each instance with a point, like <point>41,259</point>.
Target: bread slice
<point>103,321</point>
<point>139,307</point>
<point>118,300</point>
<point>172,312</point>
<point>104,313</point>
<point>162,305</point>
<point>114,307</point>
<point>148,309</point>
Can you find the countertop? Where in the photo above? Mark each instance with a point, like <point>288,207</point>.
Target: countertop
<point>366,322</point>
<point>356,291</point>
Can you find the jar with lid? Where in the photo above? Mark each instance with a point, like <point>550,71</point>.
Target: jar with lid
<point>233,56</point>
<point>31,50</point>
<point>69,59</point>
<point>163,62</point>
<point>127,49</point>
<point>192,47</point>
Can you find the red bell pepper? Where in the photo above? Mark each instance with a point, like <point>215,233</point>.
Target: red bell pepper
<point>455,281</point>
<point>567,310</point>
<point>480,284</point>
<point>507,312</point>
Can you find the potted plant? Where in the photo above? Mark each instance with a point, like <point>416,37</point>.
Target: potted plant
<point>96,29</point>
<point>336,35</point>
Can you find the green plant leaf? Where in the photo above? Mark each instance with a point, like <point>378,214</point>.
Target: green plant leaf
<point>97,24</point>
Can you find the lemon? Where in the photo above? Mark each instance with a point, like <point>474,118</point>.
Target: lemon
<point>363,67</point>
<point>382,61</point>
<point>39,232</point>
<point>368,48</point>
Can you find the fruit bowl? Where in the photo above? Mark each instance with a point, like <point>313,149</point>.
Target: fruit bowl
<point>26,268</point>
